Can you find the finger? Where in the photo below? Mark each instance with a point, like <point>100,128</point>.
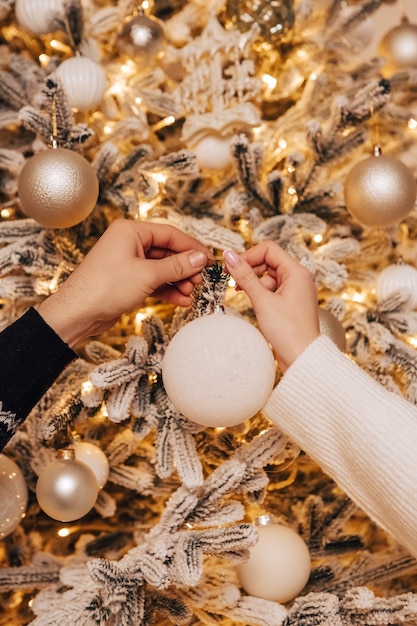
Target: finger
<point>176,267</point>
<point>243,274</point>
<point>164,237</point>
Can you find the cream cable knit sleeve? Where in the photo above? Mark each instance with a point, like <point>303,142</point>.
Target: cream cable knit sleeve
<point>361,435</point>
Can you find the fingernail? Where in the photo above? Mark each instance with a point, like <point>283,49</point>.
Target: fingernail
<point>197,258</point>
<point>231,257</point>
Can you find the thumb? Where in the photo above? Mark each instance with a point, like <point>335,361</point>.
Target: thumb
<point>243,274</point>
<point>179,266</point>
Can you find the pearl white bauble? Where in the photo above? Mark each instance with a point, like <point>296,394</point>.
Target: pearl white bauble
<point>332,328</point>
<point>279,565</point>
<point>58,188</point>
<point>380,191</point>
<point>13,496</point>
<point>394,277</point>
<point>218,370</point>
<point>213,152</point>
<point>399,48</point>
<point>94,457</point>
<point>36,15</point>
<point>67,489</point>
<point>84,82</point>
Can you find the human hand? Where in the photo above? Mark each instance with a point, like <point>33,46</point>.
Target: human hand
<point>284,298</point>
<point>131,261</point>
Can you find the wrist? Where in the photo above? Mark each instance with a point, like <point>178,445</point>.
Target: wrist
<point>71,329</point>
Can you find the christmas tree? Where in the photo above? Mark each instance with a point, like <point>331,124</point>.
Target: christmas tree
<point>236,122</point>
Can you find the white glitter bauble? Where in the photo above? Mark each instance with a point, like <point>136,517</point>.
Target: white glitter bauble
<point>399,48</point>
<point>94,457</point>
<point>380,191</point>
<point>58,188</point>
<point>67,489</point>
<point>394,277</point>
<point>36,15</point>
<point>218,370</point>
<point>279,565</point>
<point>84,82</point>
<point>13,496</point>
<point>332,328</point>
<point>213,152</point>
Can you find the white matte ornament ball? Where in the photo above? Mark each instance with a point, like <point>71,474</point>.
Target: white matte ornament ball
<point>394,277</point>
<point>84,82</point>
<point>13,496</point>
<point>399,48</point>
<point>380,191</point>
<point>213,152</point>
<point>279,565</point>
<point>94,457</point>
<point>67,489</point>
<point>58,188</point>
<point>218,370</point>
<point>36,15</point>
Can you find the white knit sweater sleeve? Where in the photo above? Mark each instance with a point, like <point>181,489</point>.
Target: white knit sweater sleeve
<point>361,435</point>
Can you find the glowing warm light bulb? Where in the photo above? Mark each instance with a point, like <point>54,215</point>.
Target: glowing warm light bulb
<point>412,124</point>
<point>64,532</point>
<point>269,81</point>
<point>318,238</point>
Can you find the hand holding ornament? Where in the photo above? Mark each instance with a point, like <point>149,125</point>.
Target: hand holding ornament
<point>283,297</point>
<point>130,262</point>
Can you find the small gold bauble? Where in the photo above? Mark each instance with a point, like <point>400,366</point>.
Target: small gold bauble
<point>399,48</point>
<point>380,191</point>
<point>142,38</point>
<point>332,328</point>
<point>58,188</point>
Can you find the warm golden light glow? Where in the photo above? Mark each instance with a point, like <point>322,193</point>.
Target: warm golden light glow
<point>6,213</point>
<point>64,532</point>
<point>318,238</point>
<point>269,81</point>
<point>412,124</point>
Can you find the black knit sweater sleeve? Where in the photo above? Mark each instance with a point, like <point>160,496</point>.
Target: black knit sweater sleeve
<point>32,356</point>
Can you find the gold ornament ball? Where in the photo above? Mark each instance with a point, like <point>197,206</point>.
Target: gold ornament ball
<point>332,328</point>
<point>399,48</point>
<point>142,38</point>
<point>380,191</point>
<point>66,489</point>
<point>58,188</point>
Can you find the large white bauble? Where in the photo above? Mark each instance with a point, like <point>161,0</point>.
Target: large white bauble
<point>380,191</point>
<point>35,15</point>
<point>213,152</point>
<point>218,370</point>
<point>13,496</point>
<point>67,489</point>
<point>94,457</point>
<point>399,48</point>
<point>279,565</point>
<point>84,82</point>
<point>394,277</point>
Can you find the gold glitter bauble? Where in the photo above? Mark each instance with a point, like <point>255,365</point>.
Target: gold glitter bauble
<point>399,48</point>
<point>58,188</point>
<point>142,38</point>
<point>380,191</point>
<point>332,328</point>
